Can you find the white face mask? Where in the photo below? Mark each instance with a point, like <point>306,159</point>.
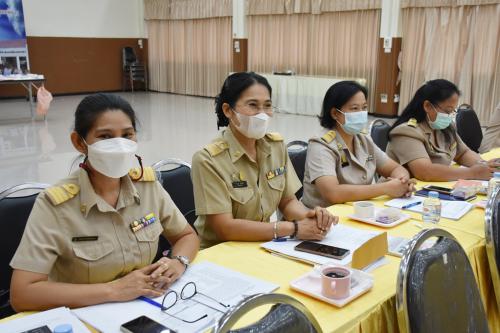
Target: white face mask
<point>253,127</point>
<point>113,157</point>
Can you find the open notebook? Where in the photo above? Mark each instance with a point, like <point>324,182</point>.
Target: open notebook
<point>454,210</point>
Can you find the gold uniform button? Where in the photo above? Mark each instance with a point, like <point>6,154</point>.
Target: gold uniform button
<point>364,177</point>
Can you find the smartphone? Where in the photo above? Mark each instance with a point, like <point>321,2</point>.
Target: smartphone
<point>438,189</point>
<point>144,324</point>
<point>322,250</point>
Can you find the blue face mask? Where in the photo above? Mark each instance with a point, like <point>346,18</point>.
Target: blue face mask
<point>355,122</point>
<point>442,121</point>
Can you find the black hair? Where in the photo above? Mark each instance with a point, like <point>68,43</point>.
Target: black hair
<point>434,91</point>
<point>234,85</point>
<point>336,96</point>
<point>92,106</point>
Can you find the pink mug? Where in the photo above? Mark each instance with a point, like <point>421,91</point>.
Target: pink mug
<point>335,282</point>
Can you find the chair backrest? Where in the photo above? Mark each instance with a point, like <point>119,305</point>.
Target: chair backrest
<point>15,209</point>
<point>379,131</point>
<point>128,56</point>
<point>288,315</point>
<point>469,127</point>
<point>436,288</point>
<point>492,231</point>
<point>175,177</point>
<point>297,150</point>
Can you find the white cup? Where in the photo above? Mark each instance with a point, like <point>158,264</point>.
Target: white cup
<point>364,209</point>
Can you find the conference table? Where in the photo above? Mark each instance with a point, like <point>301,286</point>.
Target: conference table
<point>27,81</point>
<point>374,311</point>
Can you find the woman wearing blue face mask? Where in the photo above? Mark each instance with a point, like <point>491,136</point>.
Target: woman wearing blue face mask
<point>425,140</point>
<point>341,163</point>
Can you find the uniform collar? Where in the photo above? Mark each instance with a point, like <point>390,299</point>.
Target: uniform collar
<point>89,198</point>
<point>424,125</point>
<point>236,150</point>
<point>361,156</point>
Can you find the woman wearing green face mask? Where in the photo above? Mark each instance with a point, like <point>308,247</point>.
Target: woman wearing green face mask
<point>341,163</point>
<point>425,140</point>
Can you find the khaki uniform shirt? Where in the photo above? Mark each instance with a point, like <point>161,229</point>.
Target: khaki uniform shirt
<point>414,140</point>
<point>491,137</point>
<point>74,236</point>
<point>329,156</point>
<point>226,180</point>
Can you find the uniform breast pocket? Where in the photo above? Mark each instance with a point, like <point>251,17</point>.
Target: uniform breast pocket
<point>240,197</point>
<point>277,186</point>
<point>95,262</point>
<point>147,239</point>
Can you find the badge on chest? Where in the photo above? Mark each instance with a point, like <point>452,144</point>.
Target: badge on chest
<point>276,172</point>
<point>238,180</point>
<point>143,222</point>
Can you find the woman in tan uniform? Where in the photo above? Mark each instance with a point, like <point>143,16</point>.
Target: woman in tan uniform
<point>342,163</point>
<point>425,140</point>
<point>92,238</point>
<point>245,175</point>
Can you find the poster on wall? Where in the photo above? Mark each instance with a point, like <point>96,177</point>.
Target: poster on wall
<point>13,47</point>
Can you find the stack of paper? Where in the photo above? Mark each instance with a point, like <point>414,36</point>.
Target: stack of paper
<point>339,236</point>
<point>51,319</point>
<point>449,209</point>
<point>220,283</point>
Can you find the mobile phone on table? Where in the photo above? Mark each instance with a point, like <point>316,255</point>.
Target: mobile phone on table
<point>322,250</point>
<point>144,324</point>
<point>439,189</point>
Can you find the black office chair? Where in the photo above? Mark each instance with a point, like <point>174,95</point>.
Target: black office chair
<point>297,150</point>
<point>468,127</point>
<point>492,221</point>
<point>287,315</point>
<point>15,209</point>
<point>436,288</point>
<point>133,69</point>
<point>175,177</point>
<point>379,131</point>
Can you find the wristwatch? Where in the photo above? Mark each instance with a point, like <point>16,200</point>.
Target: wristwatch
<point>183,260</point>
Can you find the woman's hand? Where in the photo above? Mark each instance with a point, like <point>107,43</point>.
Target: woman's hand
<point>324,219</point>
<point>397,188</point>
<point>134,284</point>
<point>481,171</point>
<point>168,271</point>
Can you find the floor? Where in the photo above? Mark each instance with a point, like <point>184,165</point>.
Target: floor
<point>170,126</point>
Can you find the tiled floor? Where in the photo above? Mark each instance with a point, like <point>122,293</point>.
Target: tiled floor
<point>170,126</point>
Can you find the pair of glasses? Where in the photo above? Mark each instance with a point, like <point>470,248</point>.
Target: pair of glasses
<point>255,109</point>
<point>451,112</point>
<point>187,293</point>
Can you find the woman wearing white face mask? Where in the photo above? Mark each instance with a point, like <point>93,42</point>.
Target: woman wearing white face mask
<point>342,162</point>
<point>425,140</point>
<point>245,175</point>
<point>93,237</point>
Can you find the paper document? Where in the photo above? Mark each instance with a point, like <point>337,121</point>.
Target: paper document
<point>50,318</point>
<point>219,283</point>
<point>340,236</point>
<point>398,245</point>
<point>449,209</point>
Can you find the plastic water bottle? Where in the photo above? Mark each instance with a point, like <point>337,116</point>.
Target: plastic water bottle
<point>493,184</point>
<point>431,209</point>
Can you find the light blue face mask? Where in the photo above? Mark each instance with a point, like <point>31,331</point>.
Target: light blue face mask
<point>355,122</point>
<point>442,121</point>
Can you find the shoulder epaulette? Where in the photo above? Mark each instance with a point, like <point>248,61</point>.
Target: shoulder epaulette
<point>62,193</point>
<point>275,136</point>
<point>149,174</point>
<point>412,122</point>
<point>329,137</point>
<point>216,147</point>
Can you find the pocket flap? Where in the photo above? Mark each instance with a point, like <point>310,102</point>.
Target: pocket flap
<point>277,183</point>
<point>92,251</point>
<point>241,195</point>
<point>149,233</point>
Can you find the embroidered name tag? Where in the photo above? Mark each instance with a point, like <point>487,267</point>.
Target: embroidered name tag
<point>238,180</point>
<point>84,238</point>
<point>143,222</point>
<point>276,172</point>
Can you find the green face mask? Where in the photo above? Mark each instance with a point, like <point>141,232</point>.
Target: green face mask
<point>442,121</point>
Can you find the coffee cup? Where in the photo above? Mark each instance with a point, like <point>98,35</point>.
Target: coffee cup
<point>335,282</point>
<point>364,209</point>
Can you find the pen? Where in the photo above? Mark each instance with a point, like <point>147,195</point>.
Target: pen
<point>150,301</point>
<point>413,204</point>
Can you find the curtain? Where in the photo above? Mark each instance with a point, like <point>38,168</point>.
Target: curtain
<point>341,44</point>
<point>191,57</point>
<point>275,7</point>
<point>460,44</point>
<point>186,9</point>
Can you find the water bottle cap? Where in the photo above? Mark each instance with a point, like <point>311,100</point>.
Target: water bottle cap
<point>64,328</point>
<point>496,175</point>
<point>433,194</point>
